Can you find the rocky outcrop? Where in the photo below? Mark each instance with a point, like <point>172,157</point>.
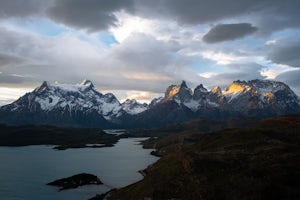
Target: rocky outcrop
<point>76,181</point>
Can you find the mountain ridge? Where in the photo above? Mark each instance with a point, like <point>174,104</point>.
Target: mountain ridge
<point>82,105</point>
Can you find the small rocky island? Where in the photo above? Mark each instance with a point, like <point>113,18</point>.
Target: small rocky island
<point>76,181</point>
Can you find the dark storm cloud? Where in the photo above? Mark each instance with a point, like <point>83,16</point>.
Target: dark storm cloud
<point>286,52</point>
<point>268,15</point>
<point>91,15</point>
<point>278,15</point>
<point>21,8</point>
<point>198,11</point>
<point>95,15</point>
<point>225,32</point>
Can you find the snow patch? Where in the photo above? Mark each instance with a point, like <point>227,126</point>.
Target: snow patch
<point>193,105</point>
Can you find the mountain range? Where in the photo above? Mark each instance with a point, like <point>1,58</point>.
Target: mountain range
<point>81,105</point>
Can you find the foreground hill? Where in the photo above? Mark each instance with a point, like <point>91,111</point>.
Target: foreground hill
<point>260,162</point>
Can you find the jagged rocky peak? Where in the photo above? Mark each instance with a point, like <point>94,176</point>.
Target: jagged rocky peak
<point>84,86</point>
<point>156,101</point>
<point>110,98</point>
<point>183,84</point>
<point>130,101</point>
<point>131,106</point>
<point>200,92</point>
<point>133,102</point>
<point>87,83</point>
<point>43,87</point>
<point>201,88</point>
<point>181,92</point>
<point>271,86</point>
<point>216,90</point>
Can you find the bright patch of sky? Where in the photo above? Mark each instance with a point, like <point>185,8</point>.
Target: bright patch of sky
<point>8,95</point>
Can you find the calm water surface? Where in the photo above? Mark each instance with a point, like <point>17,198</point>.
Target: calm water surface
<point>24,171</point>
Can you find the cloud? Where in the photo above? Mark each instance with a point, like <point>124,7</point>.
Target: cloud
<point>225,32</point>
<point>145,63</point>
<point>292,79</point>
<point>21,8</point>
<point>156,43</point>
<point>195,11</point>
<point>141,96</point>
<point>7,60</point>
<point>64,57</point>
<point>286,52</point>
<point>276,16</point>
<point>140,62</point>
<point>91,15</point>
<point>222,58</point>
<point>97,15</point>
<point>268,15</point>
<point>12,79</point>
<point>243,71</point>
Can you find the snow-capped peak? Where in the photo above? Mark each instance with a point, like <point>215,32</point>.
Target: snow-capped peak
<point>131,106</point>
<point>46,86</point>
<point>87,83</point>
<point>68,98</point>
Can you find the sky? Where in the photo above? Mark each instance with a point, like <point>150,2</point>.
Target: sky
<point>136,48</point>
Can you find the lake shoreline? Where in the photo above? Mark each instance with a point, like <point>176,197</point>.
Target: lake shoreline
<point>116,167</point>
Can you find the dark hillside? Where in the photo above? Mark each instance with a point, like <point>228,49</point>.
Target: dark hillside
<point>260,162</point>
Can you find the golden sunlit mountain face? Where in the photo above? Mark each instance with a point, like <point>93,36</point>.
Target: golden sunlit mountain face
<point>234,88</point>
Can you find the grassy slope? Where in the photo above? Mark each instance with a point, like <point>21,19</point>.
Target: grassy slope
<point>260,162</point>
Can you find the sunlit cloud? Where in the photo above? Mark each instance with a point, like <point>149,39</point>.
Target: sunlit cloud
<point>146,76</point>
<point>142,96</point>
<point>222,58</point>
<point>128,24</point>
<point>208,74</point>
<point>270,42</point>
<point>269,74</point>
